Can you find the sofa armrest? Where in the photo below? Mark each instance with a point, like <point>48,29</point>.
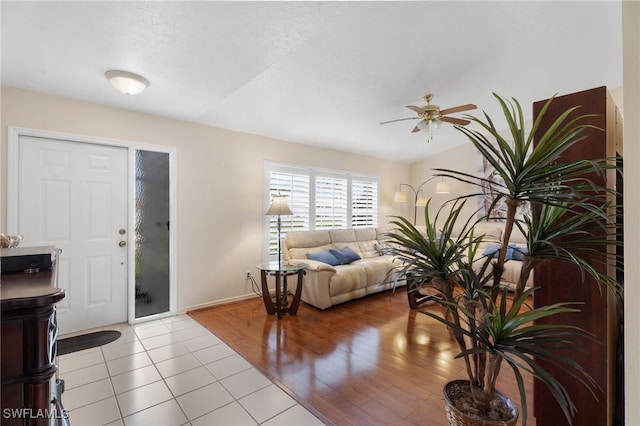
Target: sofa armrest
<point>315,288</point>
<point>315,266</point>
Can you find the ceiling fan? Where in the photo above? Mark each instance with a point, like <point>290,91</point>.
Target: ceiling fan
<point>430,115</point>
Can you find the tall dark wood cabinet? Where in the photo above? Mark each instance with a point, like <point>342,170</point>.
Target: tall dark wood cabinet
<point>559,282</point>
<point>28,348</point>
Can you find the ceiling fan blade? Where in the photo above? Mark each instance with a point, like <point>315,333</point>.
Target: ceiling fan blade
<point>460,108</point>
<point>416,109</point>
<point>454,120</point>
<point>417,128</point>
<point>400,119</point>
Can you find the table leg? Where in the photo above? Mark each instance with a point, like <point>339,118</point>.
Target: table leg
<point>266,296</point>
<point>285,294</point>
<point>279,295</point>
<point>293,309</point>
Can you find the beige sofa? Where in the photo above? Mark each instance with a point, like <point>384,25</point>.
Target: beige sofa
<point>326,285</point>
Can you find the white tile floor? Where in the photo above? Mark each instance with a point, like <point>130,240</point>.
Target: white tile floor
<point>171,372</point>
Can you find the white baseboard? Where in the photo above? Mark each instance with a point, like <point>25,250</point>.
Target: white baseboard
<point>184,310</point>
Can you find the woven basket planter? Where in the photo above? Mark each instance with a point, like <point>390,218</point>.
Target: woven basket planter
<point>457,418</point>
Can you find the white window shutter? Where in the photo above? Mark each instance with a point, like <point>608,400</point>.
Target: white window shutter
<point>319,199</point>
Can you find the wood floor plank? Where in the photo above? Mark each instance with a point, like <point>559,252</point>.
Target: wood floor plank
<point>366,362</point>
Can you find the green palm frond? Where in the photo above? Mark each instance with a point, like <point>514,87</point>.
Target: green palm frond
<point>513,335</point>
<point>529,171</point>
<point>569,220</point>
<point>557,232</point>
<point>434,253</point>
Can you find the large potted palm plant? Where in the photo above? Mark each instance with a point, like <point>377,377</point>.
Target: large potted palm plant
<point>568,218</point>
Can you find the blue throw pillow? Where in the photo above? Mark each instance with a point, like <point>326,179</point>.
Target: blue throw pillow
<point>345,255</point>
<point>324,256</point>
<point>493,250</point>
<point>519,253</point>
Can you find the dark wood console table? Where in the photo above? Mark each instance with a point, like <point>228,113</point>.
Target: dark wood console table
<point>28,349</point>
<point>279,305</point>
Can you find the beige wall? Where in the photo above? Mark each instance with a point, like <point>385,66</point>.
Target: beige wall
<point>464,158</point>
<point>219,183</point>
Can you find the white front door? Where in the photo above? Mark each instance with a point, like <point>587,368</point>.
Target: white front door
<point>74,196</point>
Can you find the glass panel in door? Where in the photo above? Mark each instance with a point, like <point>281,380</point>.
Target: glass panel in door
<point>152,272</point>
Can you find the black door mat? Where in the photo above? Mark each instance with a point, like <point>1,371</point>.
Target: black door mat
<point>86,341</point>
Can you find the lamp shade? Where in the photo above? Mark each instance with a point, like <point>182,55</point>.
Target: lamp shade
<point>422,201</point>
<point>400,197</point>
<point>442,188</point>
<point>127,82</point>
<point>279,206</point>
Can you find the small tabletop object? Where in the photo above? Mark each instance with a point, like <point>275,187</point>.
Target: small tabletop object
<point>281,270</point>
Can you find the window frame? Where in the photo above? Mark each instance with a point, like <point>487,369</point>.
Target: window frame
<point>312,173</point>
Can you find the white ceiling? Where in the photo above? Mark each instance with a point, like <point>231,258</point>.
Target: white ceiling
<point>317,73</point>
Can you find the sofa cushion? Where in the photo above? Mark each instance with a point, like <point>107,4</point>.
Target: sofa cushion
<point>366,240</point>
<point>324,256</point>
<point>382,233</point>
<point>345,255</point>
<point>338,236</point>
<point>348,279</point>
<point>298,243</point>
<point>365,234</point>
<point>377,269</point>
<point>517,236</point>
<point>368,248</point>
<point>492,231</point>
<point>307,238</point>
<point>511,274</point>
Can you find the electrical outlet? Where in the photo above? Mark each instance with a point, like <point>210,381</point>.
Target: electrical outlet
<point>248,274</point>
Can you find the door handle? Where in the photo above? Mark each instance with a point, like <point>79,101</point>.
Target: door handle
<point>122,243</point>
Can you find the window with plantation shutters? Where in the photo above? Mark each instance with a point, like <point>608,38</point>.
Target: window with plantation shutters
<point>318,199</point>
<point>331,202</point>
<point>364,202</point>
<point>296,186</point>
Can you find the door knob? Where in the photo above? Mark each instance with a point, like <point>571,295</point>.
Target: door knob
<point>122,243</point>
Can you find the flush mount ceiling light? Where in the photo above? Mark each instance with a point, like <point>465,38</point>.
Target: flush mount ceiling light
<point>127,82</point>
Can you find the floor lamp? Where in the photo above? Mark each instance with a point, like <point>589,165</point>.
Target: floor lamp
<point>279,207</point>
<point>419,200</point>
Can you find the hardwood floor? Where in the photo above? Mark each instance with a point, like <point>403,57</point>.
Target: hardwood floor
<point>372,361</point>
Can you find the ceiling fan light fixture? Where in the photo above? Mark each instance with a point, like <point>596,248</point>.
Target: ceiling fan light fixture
<point>127,82</point>
<point>423,125</point>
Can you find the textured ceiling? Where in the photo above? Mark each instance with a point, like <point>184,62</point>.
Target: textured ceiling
<point>317,73</point>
